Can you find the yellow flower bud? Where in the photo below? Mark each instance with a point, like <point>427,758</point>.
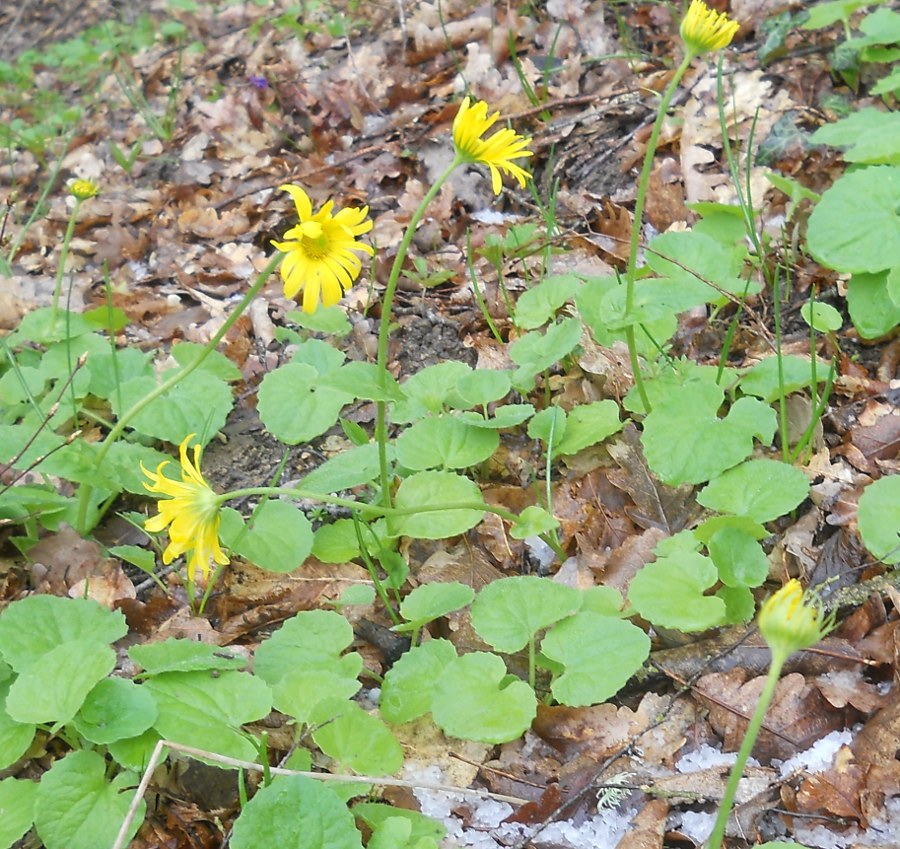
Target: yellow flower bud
<point>792,620</point>
<point>83,189</point>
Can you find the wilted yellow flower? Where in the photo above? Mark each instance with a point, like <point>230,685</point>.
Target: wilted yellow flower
<point>704,30</point>
<point>191,513</point>
<point>320,256</point>
<point>792,620</point>
<point>83,189</point>
<point>497,152</point>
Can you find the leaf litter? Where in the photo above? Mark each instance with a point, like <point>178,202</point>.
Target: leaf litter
<point>181,232</point>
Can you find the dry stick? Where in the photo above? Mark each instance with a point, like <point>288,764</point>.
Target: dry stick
<point>318,776</point>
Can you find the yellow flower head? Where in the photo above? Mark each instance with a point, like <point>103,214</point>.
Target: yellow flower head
<point>792,620</point>
<point>704,30</point>
<point>319,250</point>
<point>83,189</point>
<point>497,152</point>
<point>191,513</point>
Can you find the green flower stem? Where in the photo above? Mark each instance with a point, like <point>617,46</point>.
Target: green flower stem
<point>718,832</point>
<point>362,507</point>
<point>640,200</point>
<point>119,427</point>
<point>385,328</point>
<point>63,256</point>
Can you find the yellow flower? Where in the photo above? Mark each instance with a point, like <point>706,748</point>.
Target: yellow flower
<point>497,152</point>
<point>792,620</point>
<point>320,256</point>
<point>83,189</point>
<point>704,30</point>
<point>191,513</point>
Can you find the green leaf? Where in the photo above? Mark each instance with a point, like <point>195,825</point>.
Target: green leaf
<point>362,380</point>
<point>740,605</point>
<point>822,317</point>
<point>584,644</point>
<point>435,490</point>
<point>444,442</point>
<point>206,711</point>
<point>38,696</point>
<point>198,404</point>
<point>879,518</point>
<point>670,382</point>
<point>670,592</point>
<point>856,225</point>
<point>313,696</point>
<point>482,386</point>
<point>354,467</point>
<point>476,700</point>
<point>606,601</point>
<point>533,521</point>
<point>549,426</point>
<point>135,752</point>
<point>292,405</point>
<point>215,364</point>
<point>324,358</point>
<point>738,557</point>
<point>37,624</point>
<point>337,542</point>
<point>313,639</point>
<point>534,352</point>
<point>360,742</point>
<point>115,709</point>
<point>872,309</point>
<point>825,14</point>
<point>428,390</point>
<point>408,688</point>
<point>77,808</point>
<point>686,442</point>
<point>431,601</point>
<point>761,490</point>
<point>329,320</point>
<point>589,424</point>
<point>538,305</point>
<point>278,537</point>
<point>762,379</point>
<point>17,798</point>
<point>509,612</point>
<point>295,811</point>
<point>868,136</point>
<point>373,814</point>
<point>15,737</point>
<point>509,415</point>
<point>183,655</point>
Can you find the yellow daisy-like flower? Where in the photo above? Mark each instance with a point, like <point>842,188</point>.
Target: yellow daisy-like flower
<point>792,620</point>
<point>320,256</point>
<point>191,512</point>
<point>497,152</point>
<point>83,189</point>
<point>704,30</point>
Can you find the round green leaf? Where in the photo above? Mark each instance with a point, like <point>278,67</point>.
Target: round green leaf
<point>360,742</point>
<point>873,311</point>
<point>408,687</point>
<point>77,808</point>
<point>33,626</point>
<point>183,655</point>
<point>670,592</point>
<point>54,690</point>
<point>292,405</point>
<point>509,415</point>
<point>17,797</point>
<point>431,601</point>
<point>589,424</point>
<point>278,537</point>
<point>879,518</point>
<point>738,557</point>
<point>436,490</point>
<point>313,696</point>
<point>15,737</point>
<point>822,317</point>
<point>313,639</point>
<point>533,521</point>
<point>856,225</point>
<point>295,811</point>
<point>509,612</point>
<point>475,700</point>
<point>445,442</point>
<point>115,709</point>
<point>584,644</point>
<point>337,542</point>
<point>480,387</point>
<point>762,490</point>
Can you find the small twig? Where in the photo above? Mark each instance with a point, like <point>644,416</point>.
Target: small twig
<point>318,776</point>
